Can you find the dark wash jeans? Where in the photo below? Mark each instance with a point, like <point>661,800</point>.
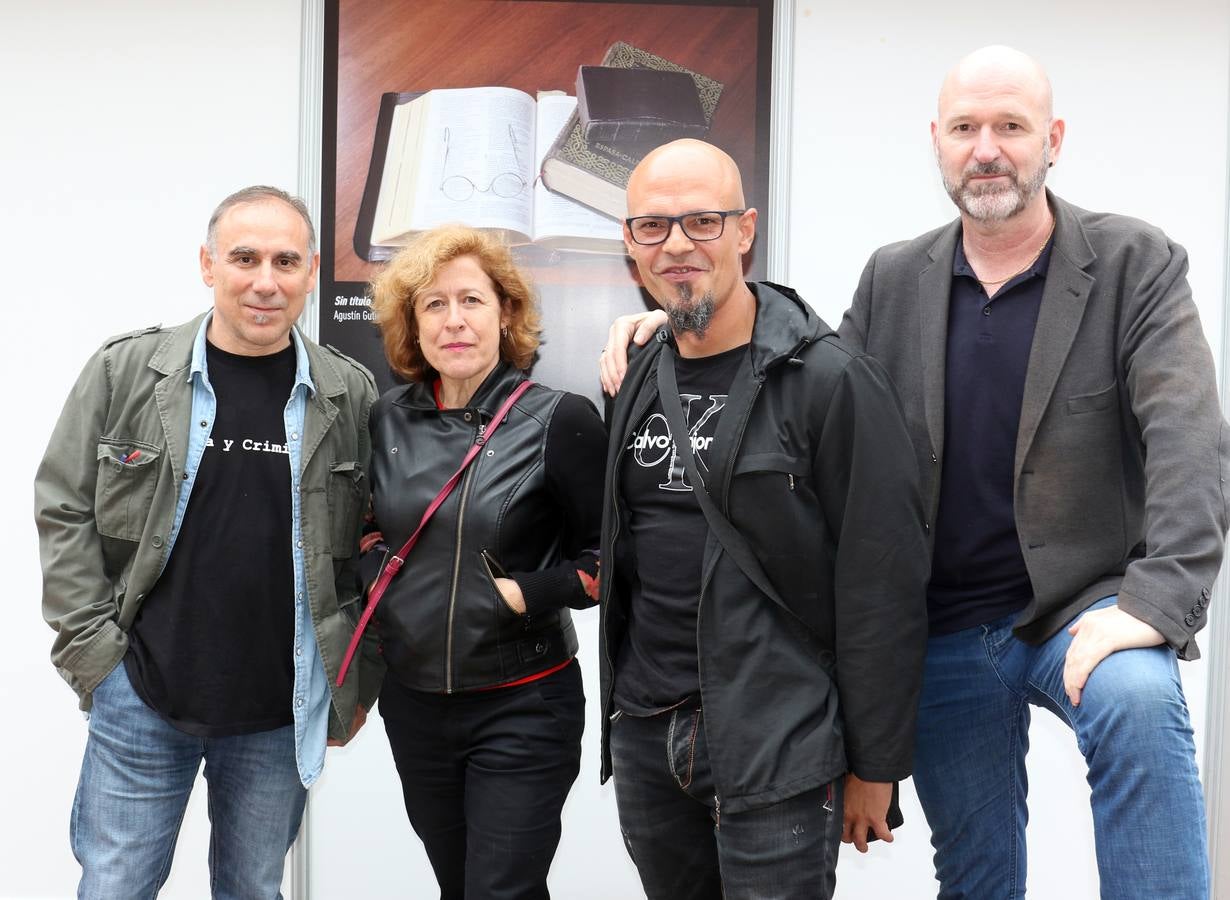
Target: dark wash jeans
<point>484,776</point>
<point>685,848</point>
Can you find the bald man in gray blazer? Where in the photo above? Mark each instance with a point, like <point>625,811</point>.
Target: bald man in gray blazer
<point>1062,403</point>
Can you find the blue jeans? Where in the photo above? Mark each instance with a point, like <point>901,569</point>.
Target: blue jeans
<point>684,848</point>
<point>135,780</point>
<point>1131,726</point>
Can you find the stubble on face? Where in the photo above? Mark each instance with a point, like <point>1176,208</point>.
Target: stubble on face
<point>996,201</point>
<point>689,315</point>
<point>255,307</point>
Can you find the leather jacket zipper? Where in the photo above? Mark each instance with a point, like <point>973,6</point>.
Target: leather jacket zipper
<point>452,593</point>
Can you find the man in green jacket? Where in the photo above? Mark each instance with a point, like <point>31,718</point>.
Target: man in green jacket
<point>197,507</point>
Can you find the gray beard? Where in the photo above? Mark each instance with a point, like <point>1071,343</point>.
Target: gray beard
<point>690,317</point>
<point>997,203</point>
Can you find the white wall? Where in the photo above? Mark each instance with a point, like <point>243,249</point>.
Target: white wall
<point>125,122</point>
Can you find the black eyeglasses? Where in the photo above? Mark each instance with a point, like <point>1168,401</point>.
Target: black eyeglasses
<point>706,225</point>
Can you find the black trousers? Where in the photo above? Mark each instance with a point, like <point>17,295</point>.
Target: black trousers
<point>484,776</point>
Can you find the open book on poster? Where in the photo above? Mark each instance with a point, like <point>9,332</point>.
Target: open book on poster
<point>471,155</point>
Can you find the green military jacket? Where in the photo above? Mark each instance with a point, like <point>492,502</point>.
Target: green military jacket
<point>103,526</point>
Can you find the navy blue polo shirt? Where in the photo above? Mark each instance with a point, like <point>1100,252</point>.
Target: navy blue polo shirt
<point>978,573</point>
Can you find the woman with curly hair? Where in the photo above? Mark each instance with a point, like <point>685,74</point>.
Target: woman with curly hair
<point>482,702</point>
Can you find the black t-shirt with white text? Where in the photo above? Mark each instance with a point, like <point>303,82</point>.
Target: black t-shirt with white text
<point>211,647</point>
<point>656,667</point>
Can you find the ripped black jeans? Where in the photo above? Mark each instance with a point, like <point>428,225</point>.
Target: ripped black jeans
<point>686,848</point>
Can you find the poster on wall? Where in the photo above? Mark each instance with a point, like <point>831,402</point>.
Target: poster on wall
<point>525,117</point>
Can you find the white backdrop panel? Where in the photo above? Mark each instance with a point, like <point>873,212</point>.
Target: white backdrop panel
<point>127,121</point>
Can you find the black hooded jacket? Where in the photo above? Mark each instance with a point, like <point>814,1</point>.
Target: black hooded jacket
<point>813,466</point>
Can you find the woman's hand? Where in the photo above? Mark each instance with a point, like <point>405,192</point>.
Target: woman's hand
<point>511,592</point>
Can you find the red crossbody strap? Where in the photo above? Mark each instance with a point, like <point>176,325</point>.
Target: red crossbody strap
<point>398,559</point>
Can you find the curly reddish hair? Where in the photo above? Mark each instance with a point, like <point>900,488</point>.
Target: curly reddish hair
<point>416,266</point>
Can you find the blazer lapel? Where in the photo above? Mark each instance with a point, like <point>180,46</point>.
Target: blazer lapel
<point>934,288</point>
<point>1067,291</point>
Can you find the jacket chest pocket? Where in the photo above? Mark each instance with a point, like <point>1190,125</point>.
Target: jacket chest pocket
<point>1106,398</point>
<point>347,494</point>
<point>761,475</point>
<point>127,476</point>
<point>773,502</point>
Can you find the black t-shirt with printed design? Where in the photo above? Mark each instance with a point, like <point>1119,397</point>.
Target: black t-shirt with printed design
<point>211,648</point>
<point>656,667</point>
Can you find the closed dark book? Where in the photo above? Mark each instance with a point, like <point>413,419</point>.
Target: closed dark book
<point>596,173</point>
<point>638,108</point>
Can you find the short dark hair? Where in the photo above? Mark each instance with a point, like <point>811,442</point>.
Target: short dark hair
<point>258,193</point>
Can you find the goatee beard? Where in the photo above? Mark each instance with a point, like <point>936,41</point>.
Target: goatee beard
<point>690,317</point>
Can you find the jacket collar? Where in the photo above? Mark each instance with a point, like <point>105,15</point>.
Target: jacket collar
<point>176,352</point>
<point>487,399</point>
<point>784,325</point>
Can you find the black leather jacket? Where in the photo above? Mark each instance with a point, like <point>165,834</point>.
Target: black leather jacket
<point>444,626</point>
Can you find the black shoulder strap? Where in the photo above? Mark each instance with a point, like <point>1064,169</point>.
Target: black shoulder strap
<point>732,542</point>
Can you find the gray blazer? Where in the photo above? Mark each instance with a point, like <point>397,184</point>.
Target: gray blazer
<point>1121,450</point>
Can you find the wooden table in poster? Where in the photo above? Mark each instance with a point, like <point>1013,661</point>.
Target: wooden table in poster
<point>417,45</point>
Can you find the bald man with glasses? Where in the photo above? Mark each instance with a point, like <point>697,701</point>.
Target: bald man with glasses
<point>763,589</point>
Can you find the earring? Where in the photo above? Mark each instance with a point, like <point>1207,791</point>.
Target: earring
<point>503,331</point>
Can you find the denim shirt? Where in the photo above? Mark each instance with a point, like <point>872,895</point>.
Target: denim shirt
<point>311,688</point>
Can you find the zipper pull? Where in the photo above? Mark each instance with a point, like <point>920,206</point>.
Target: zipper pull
<point>790,478</point>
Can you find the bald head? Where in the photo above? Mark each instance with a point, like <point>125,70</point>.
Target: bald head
<point>995,70</point>
<point>681,167</point>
